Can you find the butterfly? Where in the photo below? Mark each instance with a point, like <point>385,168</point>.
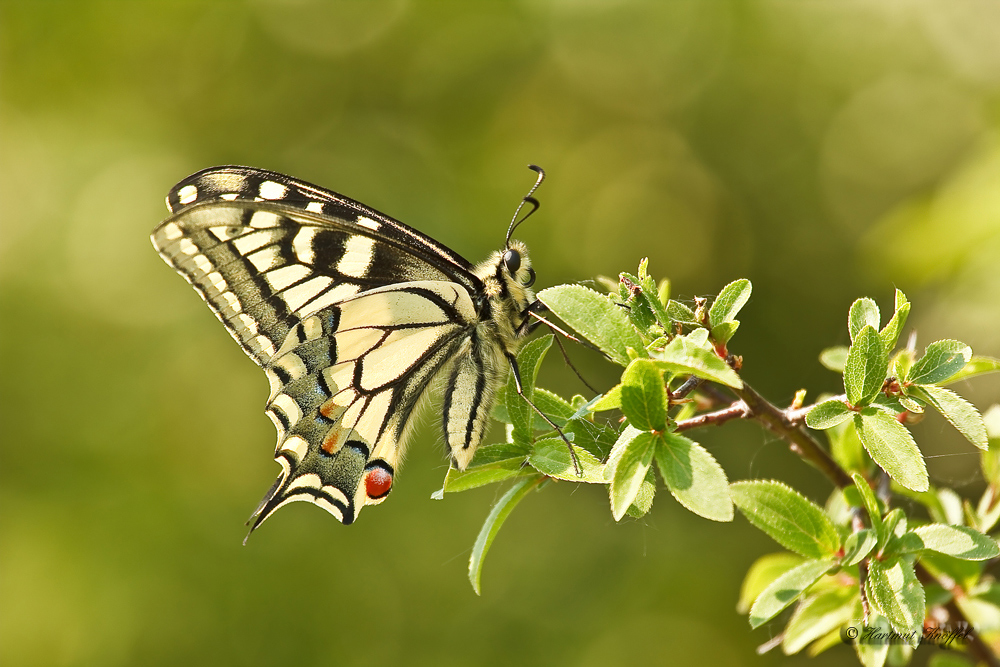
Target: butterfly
<point>353,316</point>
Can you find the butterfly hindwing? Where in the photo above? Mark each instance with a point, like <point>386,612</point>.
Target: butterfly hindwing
<point>346,383</point>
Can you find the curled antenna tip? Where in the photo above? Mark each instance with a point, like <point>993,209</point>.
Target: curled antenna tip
<point>527,199</point>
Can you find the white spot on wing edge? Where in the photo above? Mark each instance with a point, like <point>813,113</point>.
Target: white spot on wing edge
<point>272,190</point>
<point>336,494</point>
<point>287,404</point>
<point>171,231</point>
<point>315,207</point>
<point>368,222</point>
<point>309,480</point>
<point>329,507</point>
<point>187,194</point>
<point>297,445</point>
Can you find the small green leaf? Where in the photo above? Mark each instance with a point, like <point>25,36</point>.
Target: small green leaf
<point>894,592</point>
<point>818,615</point>
<point>631,458</point>
<point>864,312</point>
<point>792,521</point>
<point>975,366</point>
<point>492,525</point>
<point>858,545</point>
<point>551,457</point>
<point>892,447</point>
<point>694,477</point>
<point>612,400</point>
<point>834,358</point>
<point>724,331</point>
<point>474,477</point>
<point>678,312</point>
<point>729,302</point>
<point>827,414</point>
<point>867,363</point>
<point>958,541</point>
<point>871,653</point>
<point>786,589</point>
<point>643,398</point>
<point>942,359</point>
<point>962,414</point>
<point>890,333</point>
<point>528,361</point>
<point>760,575</point>
<point>683,356</point>
<point>644,499</point>
<point>871,504</point>
<point>595,317</point>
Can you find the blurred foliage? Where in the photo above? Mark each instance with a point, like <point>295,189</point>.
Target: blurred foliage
<point>822,150</point>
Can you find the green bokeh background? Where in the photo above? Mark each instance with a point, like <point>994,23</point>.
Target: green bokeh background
<point>824,150</point>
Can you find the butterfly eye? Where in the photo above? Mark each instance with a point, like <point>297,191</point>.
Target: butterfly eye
<point>531,278</point>
<point>512,260</point>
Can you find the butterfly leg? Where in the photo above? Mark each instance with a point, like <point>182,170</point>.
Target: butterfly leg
<point>520,391</point>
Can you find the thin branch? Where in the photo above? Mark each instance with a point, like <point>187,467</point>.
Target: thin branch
<point>800,441</point>
<point>737,410</point>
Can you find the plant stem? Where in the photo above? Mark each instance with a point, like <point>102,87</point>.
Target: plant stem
<point>800,441</point>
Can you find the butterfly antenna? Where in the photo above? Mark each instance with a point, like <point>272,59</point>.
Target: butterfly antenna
<point>527,199</point>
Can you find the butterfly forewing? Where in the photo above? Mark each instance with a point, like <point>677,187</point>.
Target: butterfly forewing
<point>351,314</point>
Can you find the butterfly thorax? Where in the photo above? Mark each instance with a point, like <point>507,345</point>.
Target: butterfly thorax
<point>507,295</point>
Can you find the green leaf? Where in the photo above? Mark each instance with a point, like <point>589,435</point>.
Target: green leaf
<point>474,477</point>
<point>643,398</point>
<point>892,447</point>
<point>528,361</point>
<point>551,457</point>
<point>834,358</point>
<point>612,400</point>
<point>845,446</point>
<point>867,363</point>
<point>760,575</point>
<point>976,366</point>
<point>871,653</point>
<point>644,499</point>
<point>553,405</point>
<point>958,411</point>
<point>858,545</point>
<point>678,312</point>
<point>494,521</point>
<point>827,414</point>
<point>792,521</point>
<point>890,333</point>
<point>786,589</point>
<point>682,356</point>
<point>957,541</point>
<point>595,438</point>
<point>863,312</point>
<point>942,360</point>
<point>729,302</point>
<point>894,592</point>
<point>595,317</point>
<point>630,460</point>
<point>724,331</point>
<point>871,504</point>
<point>818,615</point>
<point>694,477</point>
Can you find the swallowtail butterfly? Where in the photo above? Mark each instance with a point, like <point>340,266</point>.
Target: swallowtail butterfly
<point>352,315</point>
